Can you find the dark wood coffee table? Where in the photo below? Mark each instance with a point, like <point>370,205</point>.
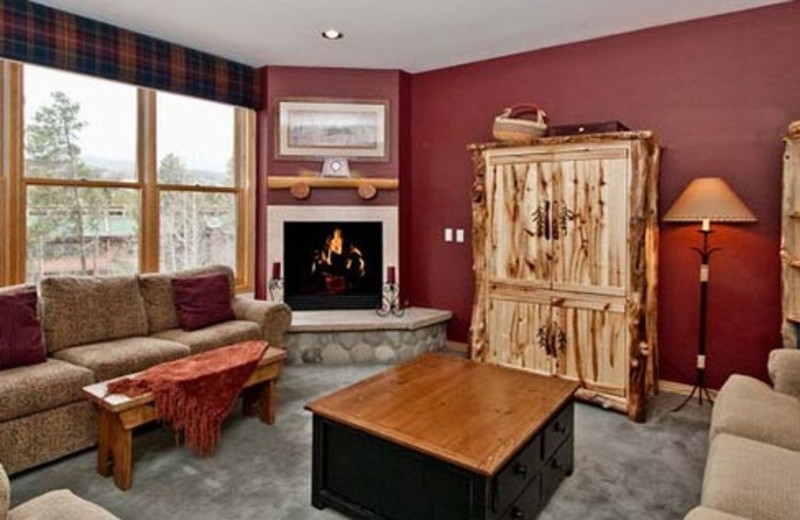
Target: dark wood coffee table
<point>119,414</point>
<point>443,438</point>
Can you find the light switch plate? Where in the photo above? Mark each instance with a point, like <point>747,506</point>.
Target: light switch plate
<point>448,234</point>
<point>460,236</point>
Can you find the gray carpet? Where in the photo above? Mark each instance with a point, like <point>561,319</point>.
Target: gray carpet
<point>622,470</point>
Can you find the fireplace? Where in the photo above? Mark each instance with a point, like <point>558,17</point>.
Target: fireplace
<point>332,265</point>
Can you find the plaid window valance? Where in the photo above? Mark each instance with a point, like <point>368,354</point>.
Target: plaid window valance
<point>33,33</point>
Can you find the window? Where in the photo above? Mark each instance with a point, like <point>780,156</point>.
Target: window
<point>80,160</point>
<point>104,178</point>
<point>197,185</point>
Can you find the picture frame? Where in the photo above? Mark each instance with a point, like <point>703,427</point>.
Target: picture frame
<point>321,128</point>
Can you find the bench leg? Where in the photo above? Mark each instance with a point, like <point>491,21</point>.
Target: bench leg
<point>104,460</point>
<point>260,400</point>
<point>121,450</point>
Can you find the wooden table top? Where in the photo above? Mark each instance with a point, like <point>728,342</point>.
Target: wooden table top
<point>473,415</point>
<point>98,392</point>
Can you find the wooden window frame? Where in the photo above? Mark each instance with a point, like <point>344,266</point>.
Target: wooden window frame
<point>14,184</point>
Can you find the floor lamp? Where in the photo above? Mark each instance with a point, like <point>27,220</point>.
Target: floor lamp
<point>706,200</point>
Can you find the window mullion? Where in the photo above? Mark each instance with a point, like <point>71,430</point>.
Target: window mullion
<point>147,174</point>
<point>13,262</point>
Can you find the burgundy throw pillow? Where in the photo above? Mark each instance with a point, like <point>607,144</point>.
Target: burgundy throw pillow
<point>20,331</point>
<point>202,300</point>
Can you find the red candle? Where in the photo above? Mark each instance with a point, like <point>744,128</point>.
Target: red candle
<point>276,270</point>
<point>390,274</point>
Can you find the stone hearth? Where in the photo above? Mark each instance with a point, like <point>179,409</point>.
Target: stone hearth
<point>361,336</point>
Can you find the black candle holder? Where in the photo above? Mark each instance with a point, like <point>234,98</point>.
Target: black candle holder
<point>275,287</point>
<point>390,301</point>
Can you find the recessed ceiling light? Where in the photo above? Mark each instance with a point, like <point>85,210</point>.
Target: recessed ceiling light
<point>332,34</point>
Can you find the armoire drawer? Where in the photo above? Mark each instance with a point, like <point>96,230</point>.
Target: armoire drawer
<point>517,473</point>
<point>558,429</point>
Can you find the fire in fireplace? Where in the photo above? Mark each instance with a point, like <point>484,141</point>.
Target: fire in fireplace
<point>333,265</point>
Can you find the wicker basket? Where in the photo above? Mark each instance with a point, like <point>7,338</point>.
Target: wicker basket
<point>510,126</point>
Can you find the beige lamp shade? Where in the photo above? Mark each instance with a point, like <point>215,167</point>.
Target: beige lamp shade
<point>709,199</point>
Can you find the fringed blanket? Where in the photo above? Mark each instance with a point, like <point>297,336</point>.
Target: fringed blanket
<point>196,393</point>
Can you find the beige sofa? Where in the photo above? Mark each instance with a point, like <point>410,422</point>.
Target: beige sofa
<point>55,505</point>
<point>100,328</point>
<point>753,466</point>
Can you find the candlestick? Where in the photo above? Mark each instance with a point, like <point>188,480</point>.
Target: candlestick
<point>391,274</point>
<point>276,270</point>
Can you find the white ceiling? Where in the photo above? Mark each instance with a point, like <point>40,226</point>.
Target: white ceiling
<point>412,35</point>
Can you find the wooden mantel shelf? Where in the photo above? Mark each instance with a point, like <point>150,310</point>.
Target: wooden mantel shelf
<point>285,182</point>
<point>301,186</point>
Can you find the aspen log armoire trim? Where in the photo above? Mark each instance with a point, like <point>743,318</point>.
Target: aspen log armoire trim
<point>565,249</point>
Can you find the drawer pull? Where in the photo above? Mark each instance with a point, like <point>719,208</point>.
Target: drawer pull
<point>556,464</point>
<point>559,428</point>
<point>517,514</point>
<point>520,469</point>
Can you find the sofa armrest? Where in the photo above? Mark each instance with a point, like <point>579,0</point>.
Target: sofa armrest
<point>784,370</point>
<point>273,318</point>
<point>5,494</point>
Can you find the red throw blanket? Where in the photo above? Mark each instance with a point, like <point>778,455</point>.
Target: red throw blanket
<point>196,393</point>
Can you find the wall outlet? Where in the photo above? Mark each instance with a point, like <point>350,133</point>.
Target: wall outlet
<point>460,236</point>
<point>448,234</point>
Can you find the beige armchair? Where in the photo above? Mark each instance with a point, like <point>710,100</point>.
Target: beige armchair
<point>55,505</point>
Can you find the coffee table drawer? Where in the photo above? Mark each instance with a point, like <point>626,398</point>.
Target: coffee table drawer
<point>558,468</point>
<point>518,473</point>
<point>528,504</point>
<point>558,429</point>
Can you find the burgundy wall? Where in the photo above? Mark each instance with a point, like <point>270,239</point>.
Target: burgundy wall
<point>718,92</point>
<point>285,82</point>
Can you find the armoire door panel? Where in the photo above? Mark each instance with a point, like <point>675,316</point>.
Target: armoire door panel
<point>518,209</point>
<point>594,344</point>
<point>517,332</point>
<point>589,206</point>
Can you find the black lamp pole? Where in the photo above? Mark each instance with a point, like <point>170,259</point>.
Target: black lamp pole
<point>700,374</point>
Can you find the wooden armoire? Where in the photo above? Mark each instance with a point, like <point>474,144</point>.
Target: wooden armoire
<point>790,237</point>
<point>565,248</point>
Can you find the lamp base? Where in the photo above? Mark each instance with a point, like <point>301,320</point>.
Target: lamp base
<point>700,388</point>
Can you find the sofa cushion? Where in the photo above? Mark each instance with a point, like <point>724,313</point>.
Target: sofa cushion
<point>37,388</point>
<point>202,300</point>
<point>76,311</point>
<point>749,408</point>
<point>20,330</point>
<point>59,505</point>
<point>215,336</point>
<point>751,479</point>
<point>705,513</point>
<point>156,290</point>
<point>110,359</point>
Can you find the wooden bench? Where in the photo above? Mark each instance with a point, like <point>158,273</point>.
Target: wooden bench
<point>120,414</point>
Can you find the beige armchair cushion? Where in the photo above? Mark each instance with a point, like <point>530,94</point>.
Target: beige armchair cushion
<point>214,336</point>
<point>77,311</point>
<point>156,290</point>
<point>752,479</point>
<point>704,513</point>
<point>38,388</point>
<point>59,505</point>
<point>110,359</point>
<point>784,370</point>
<point>749,408</point>
<point>5,494</point>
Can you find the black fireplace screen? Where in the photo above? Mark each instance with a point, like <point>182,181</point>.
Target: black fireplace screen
<point>333,265</point>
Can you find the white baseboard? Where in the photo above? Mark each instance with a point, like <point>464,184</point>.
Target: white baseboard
<point>458,346</point>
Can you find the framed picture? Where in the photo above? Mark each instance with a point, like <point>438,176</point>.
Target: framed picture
<point>314,129</point>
